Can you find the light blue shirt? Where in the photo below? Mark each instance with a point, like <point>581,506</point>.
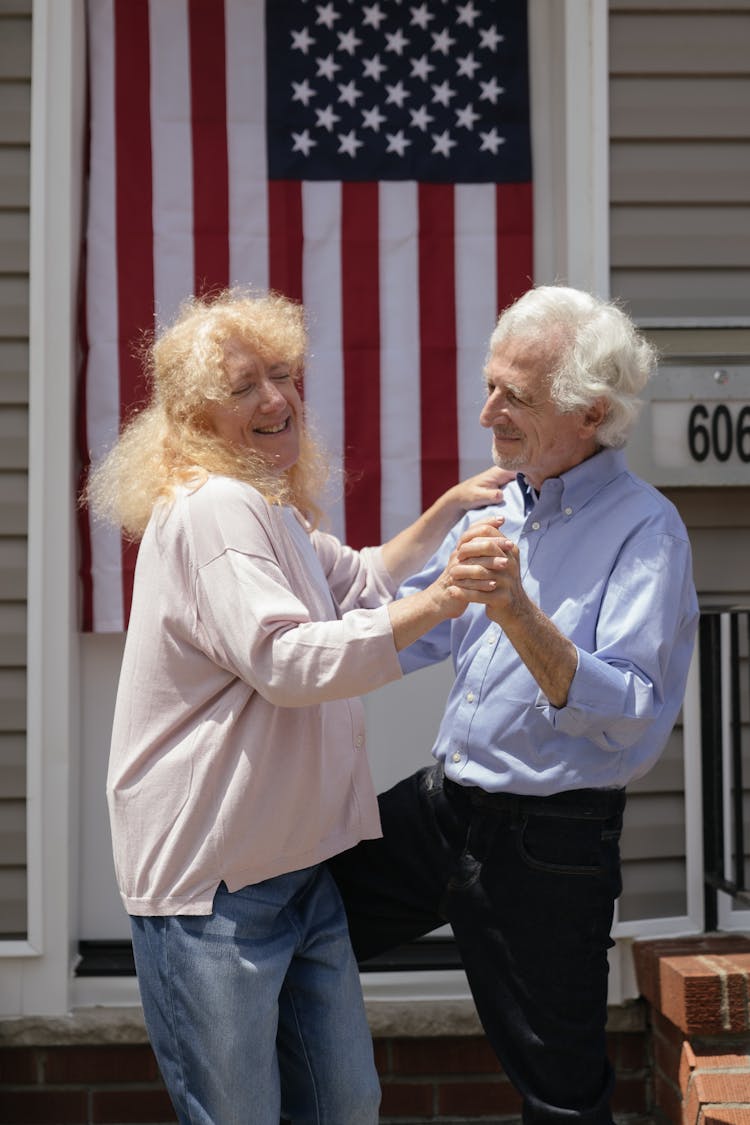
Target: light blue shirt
<point>608,559</point>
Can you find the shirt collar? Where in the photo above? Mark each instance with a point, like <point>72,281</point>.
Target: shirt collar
<point>575,487</point>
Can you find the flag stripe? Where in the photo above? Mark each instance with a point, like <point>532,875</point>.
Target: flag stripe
<point>361,347</point>
<point>401,468</point>
<point>135,239</point>
<point>172,157</point>
<point>515,264</point>
<point>437,335</point>
<point>286,237</point>
<point>210,170</point>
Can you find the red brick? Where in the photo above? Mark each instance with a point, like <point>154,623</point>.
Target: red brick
<point>667,1098</point>
<point>19,1066</point>
<point>96,1065</point>
<point>648,954</point>
<point>130,1106</point>
<point>477,1099</point>
<point>382,1052</point>
<point>44,1107</point>
<point>408,1099</point>
<point>725,1115</point>
<point>716,1088</point>
<point>628,1050</point>
<point>444,1056</point>
<point>630,1095</point>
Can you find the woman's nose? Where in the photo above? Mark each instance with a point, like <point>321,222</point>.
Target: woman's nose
<point>270,395</point>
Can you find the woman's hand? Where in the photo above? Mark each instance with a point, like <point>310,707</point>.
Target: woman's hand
<point>479,491</point>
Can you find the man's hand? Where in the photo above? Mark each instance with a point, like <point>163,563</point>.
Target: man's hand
<point>485,567</point>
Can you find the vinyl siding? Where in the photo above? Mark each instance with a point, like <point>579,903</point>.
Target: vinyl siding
<point>15,103</point>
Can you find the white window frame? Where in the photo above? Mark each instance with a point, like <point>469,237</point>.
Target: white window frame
<point>569,77</point>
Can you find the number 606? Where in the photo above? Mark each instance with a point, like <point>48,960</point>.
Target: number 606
<point>715,432</point>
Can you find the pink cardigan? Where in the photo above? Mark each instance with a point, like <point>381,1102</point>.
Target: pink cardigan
<point>238,752</point>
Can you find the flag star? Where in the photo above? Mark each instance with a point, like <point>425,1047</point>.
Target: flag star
<point>491,91</point>
<point>327,118</point>
<point>396,41</point>
<point>491,141</point>
<point>302,40</point>
<point>373,118</point>
<point>421,17</point>
<point>490,38</point>
<point>348,41</point>
<point>420,118</point>
<point>349,93</point>
<point>374,68</point>
<point>443,93</point>
<point>397,142</point>
<point>467,116</point>
<point>303,91</point>
<point>327,67</point>
<point>468,65</point>
<point>467,13</point>
<point>443,143</point>
<point>372,16</point>
<point>303,142</point>
<point>327,15</point>
<point>442,42</point>
<point>349,143</point>
<point>397,95</point>
<point>420,68</point>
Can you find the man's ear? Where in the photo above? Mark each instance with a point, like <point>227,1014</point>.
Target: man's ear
<point>594,415</point>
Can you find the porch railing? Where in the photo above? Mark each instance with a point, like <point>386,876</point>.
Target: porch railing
<point>724,635</point>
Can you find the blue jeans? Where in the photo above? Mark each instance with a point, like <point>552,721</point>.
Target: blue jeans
<point>528,886</point>
<point>255,1011</point>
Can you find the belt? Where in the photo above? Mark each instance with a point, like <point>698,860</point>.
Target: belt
<point>574,804</point>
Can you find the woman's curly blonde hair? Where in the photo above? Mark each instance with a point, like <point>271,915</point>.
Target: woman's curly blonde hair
<point>170,443</point>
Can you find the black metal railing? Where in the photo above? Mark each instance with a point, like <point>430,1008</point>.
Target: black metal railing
<point>724,640</point>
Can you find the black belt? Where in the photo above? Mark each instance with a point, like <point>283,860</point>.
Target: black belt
<point>576,804</point>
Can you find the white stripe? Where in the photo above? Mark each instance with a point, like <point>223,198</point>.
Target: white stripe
<point>476,305</point>
<point>246,140</point>
<point>172,157</point>
<point>321,293</point>
<point>399,357</point>
<point>102,385</point>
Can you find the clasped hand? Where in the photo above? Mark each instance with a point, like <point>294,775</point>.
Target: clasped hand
<point>485,567</point>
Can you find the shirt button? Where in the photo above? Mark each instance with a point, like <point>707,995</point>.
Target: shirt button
<point>457,757</point>
<point>568,511</point>
<point>491,639</point>
<point>535,525</point>
<point>359,741</point>
<point>470,696</point>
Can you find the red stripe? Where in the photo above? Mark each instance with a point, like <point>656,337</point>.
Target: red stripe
<point>285,237</point>
<point>135,267</point>
<point>209,133</point>
<point>515,247</point>
<point>360,315</point>
<point>437,335</point>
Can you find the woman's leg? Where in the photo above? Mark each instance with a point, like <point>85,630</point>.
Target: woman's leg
<point>328,1074</point>
<point>210,987</point>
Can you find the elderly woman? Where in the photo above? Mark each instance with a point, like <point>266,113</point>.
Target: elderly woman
<point>238,761</point>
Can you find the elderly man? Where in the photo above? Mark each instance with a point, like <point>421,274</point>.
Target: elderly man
<point>571,663</point>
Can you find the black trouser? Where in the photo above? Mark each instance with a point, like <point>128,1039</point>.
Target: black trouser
<point>528,885</point>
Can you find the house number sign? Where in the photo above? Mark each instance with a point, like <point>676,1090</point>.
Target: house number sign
<point>695,426</point>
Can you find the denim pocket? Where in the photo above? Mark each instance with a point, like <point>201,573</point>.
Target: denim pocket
<point>564,845</point>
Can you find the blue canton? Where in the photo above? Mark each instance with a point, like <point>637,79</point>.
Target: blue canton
<point>433,92</point>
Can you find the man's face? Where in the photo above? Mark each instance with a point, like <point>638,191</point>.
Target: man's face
<point>530,434</point>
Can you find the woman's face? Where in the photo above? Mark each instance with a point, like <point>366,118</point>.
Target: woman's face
<point>263,411</point>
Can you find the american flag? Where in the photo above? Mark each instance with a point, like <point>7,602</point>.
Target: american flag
<point>372,161</point>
